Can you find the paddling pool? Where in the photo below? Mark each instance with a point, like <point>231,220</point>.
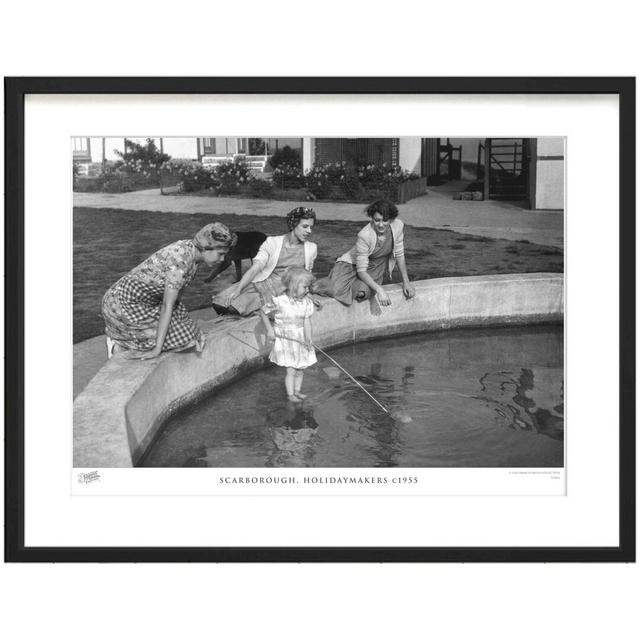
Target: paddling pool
<point>466,398</point>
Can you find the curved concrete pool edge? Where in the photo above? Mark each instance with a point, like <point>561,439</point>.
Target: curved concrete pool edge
<point>118,415</point>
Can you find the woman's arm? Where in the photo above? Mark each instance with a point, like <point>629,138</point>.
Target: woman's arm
<point>259,262</point>
<point>166,309</point>
<point>383,297</point>
<point>313,254</point>
<point>364,246</point>
<point>236,289</point>
<point>271,336</point>
<point>407,287</point>
<point>308,336</point>
<point>363,250</point>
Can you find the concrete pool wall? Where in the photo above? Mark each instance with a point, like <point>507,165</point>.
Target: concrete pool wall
<point>118,415</point>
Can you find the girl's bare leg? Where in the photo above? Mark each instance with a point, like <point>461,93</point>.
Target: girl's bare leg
<point>299,374</point>
<point>289,384</point>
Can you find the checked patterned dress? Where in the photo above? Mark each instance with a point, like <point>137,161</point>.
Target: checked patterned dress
<point>131,307</point>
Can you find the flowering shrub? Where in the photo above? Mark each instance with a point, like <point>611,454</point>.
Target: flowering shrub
<point>192,176</point>
<point>287,176</point>
<point>287,156</point>
<point>318,182</point>
<point>112,179</point>
<point>384,177</point>
<point>340,180</point>
<point>224,179</point>
<point>145,160</point>
<point>336,172</point>
<point>231,176</point>
<point>351,185</point>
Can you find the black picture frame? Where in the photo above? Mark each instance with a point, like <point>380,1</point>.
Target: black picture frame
<point>15,91</point>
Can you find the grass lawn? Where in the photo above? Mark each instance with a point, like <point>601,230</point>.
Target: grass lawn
<point>109,242</point>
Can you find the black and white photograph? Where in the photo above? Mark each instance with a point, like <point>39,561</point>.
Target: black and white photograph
<point>318,302</point>
<point>324,313</point>
<point>378,314</point>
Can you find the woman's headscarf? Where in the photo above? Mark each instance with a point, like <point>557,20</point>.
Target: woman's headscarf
<point>293,217</point>
<point>214,235</point>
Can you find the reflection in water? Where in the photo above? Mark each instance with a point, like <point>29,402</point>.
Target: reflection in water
<point>363,413</point>
<point>475,398</point>
<point>292,429</point>
<point>524,413</point>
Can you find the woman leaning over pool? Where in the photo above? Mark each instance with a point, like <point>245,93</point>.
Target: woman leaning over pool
<point>262,282</point>
<point>143,313</point>
<point>358,274</point>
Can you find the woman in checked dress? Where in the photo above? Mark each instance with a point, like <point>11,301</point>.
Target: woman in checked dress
<point>291,330</point>
<point>143,313</point>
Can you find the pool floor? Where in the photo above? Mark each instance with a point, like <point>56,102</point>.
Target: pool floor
<point>472,398</point>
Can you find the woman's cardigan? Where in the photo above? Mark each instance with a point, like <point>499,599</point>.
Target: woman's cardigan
<point>269,252</point>
<point>366,244</point>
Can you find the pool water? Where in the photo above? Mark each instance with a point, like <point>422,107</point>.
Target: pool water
<point>472,398</point>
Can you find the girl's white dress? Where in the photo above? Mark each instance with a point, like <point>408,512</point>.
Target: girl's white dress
<point>289,316</point>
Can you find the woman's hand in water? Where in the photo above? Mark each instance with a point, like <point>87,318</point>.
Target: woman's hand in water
<point>408,290</point>
<point>383,297</point>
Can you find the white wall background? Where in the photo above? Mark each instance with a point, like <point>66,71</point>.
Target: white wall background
<point>529,602</point>
<point>550,173</point>
<point>410,151</point>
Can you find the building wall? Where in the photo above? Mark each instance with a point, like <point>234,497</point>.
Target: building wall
<point>308,153</point>
<point>550,173</point>
<point>183,148</point>
<point>410,152</point>
<point>551,146</point>
<point>469,147</point>
<point>226,145</point>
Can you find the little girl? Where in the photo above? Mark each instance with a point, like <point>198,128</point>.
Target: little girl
<point>291,330</point>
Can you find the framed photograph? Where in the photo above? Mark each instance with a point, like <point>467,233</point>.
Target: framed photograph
<point>320,319</point>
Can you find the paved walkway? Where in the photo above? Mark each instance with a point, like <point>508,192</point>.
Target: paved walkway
<point>437,209</point>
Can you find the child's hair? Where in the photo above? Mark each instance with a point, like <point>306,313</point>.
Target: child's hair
<point>294,275</point>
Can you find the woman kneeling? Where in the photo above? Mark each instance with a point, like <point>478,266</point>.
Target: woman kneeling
<point>359,272</point>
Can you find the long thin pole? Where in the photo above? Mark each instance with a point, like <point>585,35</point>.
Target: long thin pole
<point>326,355</point>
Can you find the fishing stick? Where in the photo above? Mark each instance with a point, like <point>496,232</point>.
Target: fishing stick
<point>326,355</point>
